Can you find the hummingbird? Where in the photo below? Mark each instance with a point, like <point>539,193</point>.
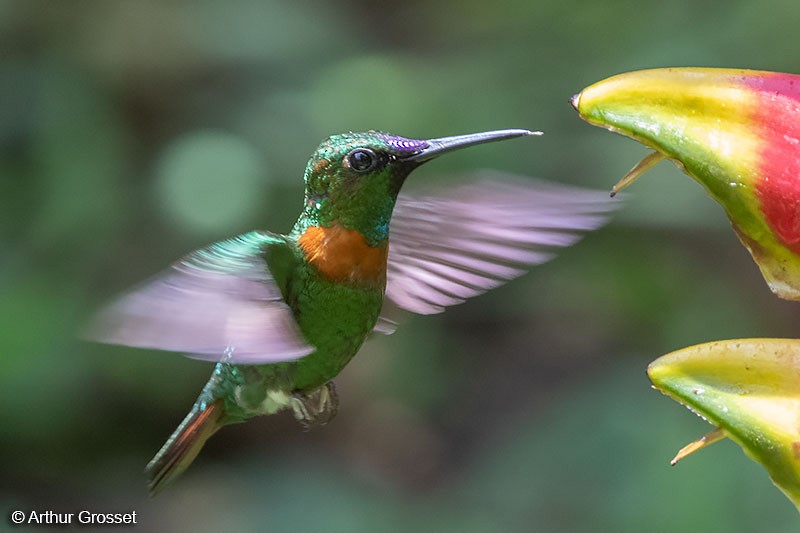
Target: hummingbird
<point>282,314</point>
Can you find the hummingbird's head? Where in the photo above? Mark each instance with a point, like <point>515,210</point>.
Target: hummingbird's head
<point>353,179</point>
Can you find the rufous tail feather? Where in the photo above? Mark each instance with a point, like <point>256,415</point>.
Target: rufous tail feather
<point>184,444</point>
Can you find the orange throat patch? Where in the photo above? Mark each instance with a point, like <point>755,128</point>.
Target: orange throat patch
<point>343,255</point>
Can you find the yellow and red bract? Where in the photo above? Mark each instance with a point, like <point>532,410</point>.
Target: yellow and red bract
<point>737,132</point>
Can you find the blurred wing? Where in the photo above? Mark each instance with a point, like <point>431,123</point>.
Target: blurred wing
<point>218,302</point>
<point>471,238</point>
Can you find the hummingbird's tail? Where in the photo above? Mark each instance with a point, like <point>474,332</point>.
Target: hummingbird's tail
<point>184,444</point>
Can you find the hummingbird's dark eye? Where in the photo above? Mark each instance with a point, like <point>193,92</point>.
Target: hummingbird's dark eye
<point>362,159</point>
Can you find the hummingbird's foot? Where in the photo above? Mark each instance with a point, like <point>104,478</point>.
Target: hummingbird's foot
<point>315,408</point>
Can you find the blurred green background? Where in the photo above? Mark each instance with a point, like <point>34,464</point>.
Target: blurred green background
<point>133,132</point>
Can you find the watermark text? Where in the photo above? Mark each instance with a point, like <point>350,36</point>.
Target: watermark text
<point>84,517</point>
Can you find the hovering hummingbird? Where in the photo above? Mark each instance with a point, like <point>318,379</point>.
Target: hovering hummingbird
<point>283,314</point>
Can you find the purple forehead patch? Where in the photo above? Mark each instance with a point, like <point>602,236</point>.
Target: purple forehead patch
<point>404,145</point>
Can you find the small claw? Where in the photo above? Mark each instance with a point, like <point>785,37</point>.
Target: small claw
<point>315,408</point>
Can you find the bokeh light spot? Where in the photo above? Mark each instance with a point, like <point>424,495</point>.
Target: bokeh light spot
<point>210,181</point>
<point>362,93</point>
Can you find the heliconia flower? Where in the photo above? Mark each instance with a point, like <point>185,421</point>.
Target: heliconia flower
<point>749,389</point>
<point>737,132</point>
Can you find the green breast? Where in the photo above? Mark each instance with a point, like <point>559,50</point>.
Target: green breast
<point>334,317</point>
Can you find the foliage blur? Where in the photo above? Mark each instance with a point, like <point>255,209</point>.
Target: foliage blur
<point>133,132</point>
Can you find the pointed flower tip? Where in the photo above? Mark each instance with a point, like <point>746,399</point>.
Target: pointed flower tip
<point>640,168</point>
<point>708,439</point>
<point>736,132</point>
<point>748,389</point>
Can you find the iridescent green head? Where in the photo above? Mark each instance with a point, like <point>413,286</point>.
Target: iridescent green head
<point>353,179</point>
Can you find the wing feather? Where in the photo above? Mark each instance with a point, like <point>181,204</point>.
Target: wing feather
<point>450,246</point>
<point>218,302</point>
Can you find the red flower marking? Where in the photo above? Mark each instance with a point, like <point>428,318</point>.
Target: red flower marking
<point>776,119</point>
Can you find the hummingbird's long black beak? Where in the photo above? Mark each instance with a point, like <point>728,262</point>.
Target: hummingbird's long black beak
<point>437,147</point>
